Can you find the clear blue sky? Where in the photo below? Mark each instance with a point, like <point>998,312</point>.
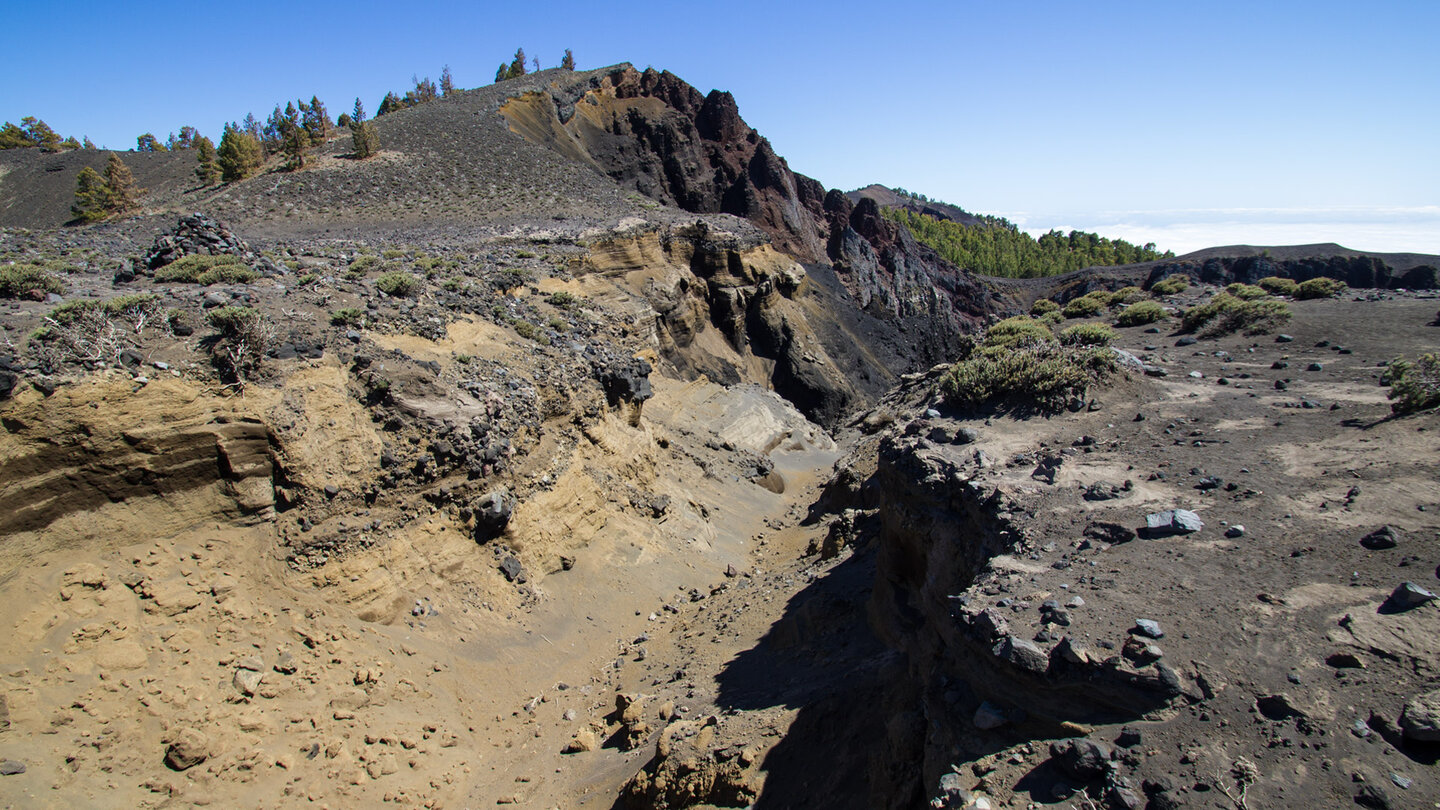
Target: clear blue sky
<point>1186,123</point>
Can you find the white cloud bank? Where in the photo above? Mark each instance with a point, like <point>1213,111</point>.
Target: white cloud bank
<point>1414,229</point>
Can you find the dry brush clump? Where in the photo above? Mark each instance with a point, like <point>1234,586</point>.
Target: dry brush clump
<point>90,331</point>
<point>242,334</point>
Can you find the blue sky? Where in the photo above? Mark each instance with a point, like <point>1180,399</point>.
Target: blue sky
<point>1188,124</point>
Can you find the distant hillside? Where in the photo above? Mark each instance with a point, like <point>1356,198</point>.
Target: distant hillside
<point>994,246</point>
<point>886,197</point>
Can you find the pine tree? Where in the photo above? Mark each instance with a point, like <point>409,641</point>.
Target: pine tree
<point>390,103</point>
<point>447,85</point>
<point>317,121</point>
<point>239,154</point>
<point>187,138</point>
<point>92,198</point>
<point>70,143</point>
<point>568,63</point>
<point>149,143</point>
<point>502,73</point>
<point>362,133</point>
<point>88,144</point>
<point>209,169</point>
<point>40,134</point>
<point>120,186</point>
<point>517,66</point>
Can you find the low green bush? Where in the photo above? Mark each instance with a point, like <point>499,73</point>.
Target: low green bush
<point>1247,292</point>
<point>1320,288</point>
<point>1018,330</point>
<point>1276,285</point>
<point>397,284</point>
<point>363,264</point>
<point>18,279</point>
<point>121,306</point>
<point>201,269</point>
<point>1226,314</point>
<point>1141,313</point>
<point>1087,305</point>
<point>1126,295</point>
<point>1043,306</point>
<point>1052,318</point>
<point>564,300</point>
<point>349,316</point>
<point>1087,334</point>
<point>530,331</point>
<point>1413,386</point>
<point>1170,285</point>
<point>1042,377</point>
<point>233,321</point>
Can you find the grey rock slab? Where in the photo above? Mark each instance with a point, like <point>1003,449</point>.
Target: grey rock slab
<point>1172,522</point>
<point>1407,596</point>
<point>11,767</point>
<point>1148,628</point>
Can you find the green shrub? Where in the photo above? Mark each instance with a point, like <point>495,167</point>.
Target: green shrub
<point>1170,285</point>
<point>1043,306</point>
<point>1043,377</point>
<point>363,264</point>
<point>398,284</point>
<point>198,268</point>
<point>524,254</point>
<point>1126,295</point>
<point>349,316</point>
<point>1052,318</point>
<point>232,321</point>
<point>1087,305</point>
<point>393,254</point>
<point>306,280</point>
<point>564,300</point>
<point>1320,288</point>
<point>530,331</point>
<point>1413,386</point>
<point>1278,286</point>
<point>511,277</point>
<point>1247,292</point>
<point>1226,314</point>
<point>18,279</point>
<point>1018,330</point>
<point>1140,313</point>
<point>130,307</point>
<point>1087,334</point>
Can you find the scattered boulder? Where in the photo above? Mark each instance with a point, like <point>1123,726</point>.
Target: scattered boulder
<point>246,681</point>
<point>989,716</point>
<point>11,767</point>
<point>1420,719</point>
<point>1382,538</point>
<point>1172,522</point>
<point>492,514</point>
<point>513,570</point>
<point>1080,758</point>
<point>1406,596</point>
<point>189,748</point>
<point>1148,628</point>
